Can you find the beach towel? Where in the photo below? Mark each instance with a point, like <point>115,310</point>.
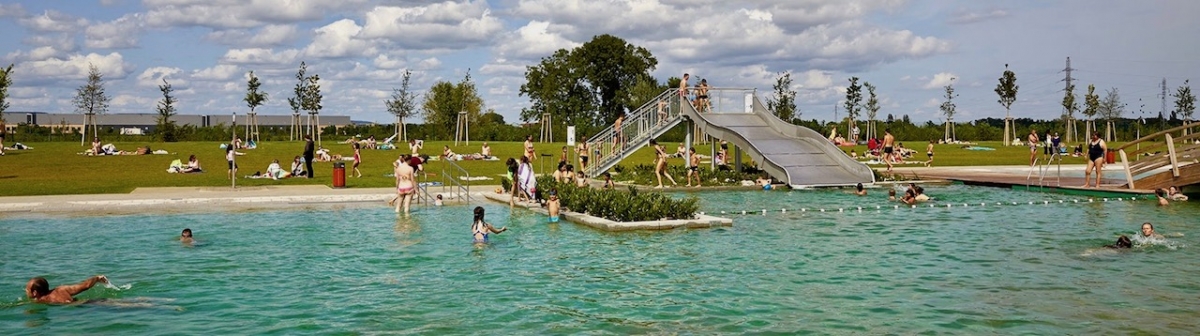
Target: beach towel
<point>175,167</point>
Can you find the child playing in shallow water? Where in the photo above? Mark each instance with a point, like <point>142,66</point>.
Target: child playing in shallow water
<point>553,206</point>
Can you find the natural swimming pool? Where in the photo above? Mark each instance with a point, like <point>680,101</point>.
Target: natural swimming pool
<point>997,268</point>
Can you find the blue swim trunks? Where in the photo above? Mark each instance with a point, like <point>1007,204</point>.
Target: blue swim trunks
<point>554,219</point>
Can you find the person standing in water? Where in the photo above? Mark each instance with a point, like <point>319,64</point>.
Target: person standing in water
<point>480,228</point>
<point>1161,194</point>
<point>186,236</point>
<point>553,206</point>
<point>38,290</point>
<point>859,190</point>
<point>1095,153</point>
<point>405,183</point>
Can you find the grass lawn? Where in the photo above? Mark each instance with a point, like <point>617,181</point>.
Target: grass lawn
<point>54,168</point>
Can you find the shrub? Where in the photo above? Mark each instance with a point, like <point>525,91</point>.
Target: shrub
<point>621,206</point>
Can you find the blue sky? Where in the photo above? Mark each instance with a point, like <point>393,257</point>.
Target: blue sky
<point>908,49</point>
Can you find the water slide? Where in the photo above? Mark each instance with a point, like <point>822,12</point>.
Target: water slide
<point>795,154</point>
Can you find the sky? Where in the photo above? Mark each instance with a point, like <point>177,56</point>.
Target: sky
<point>908,49</point>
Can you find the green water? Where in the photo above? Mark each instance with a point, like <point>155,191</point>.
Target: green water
<point>964,270</point>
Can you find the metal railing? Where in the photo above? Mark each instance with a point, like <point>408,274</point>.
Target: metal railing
<point>1044,168</point>
<point>610,146</point>
<point>1181,151</point>
<point>463,190</point>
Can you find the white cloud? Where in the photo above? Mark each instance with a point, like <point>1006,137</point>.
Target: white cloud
<point>383,61</point>
<point>939,80</point>
<point>220,72</point>
<point>226,14</point>
<point>267,36</point>
<point>118,34</point>
<point>53,21</point>
<point>260,56</point>
<point>446,25</point>
<point>338,40</point>
<point>532,41</point>
<point>125,100</point>
<point>964,17</point>
<point>155,75</point>
<point>12,10</point>
<point>814,79</point>
<point>75,67</point>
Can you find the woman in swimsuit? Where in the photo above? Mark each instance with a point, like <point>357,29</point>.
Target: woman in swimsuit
<point>660,167</point>
<point>529,151</point>
<point>480,228</point>
<point>1095,152</point>
<point>583,154</point>
<point>702,96</point>
<point>357,160</point>
<point>405,185</point>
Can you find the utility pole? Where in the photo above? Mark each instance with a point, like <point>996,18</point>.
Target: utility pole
<point>1163,95</point>
<point>1072,133</point>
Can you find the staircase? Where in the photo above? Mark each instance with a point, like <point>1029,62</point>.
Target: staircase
<point>641,125</point>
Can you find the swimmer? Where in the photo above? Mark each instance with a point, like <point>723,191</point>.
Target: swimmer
<point>1122,242</point>
<point>554,206</point>
<point>1148,231</point>
<point>920,192</point>
<point>1176,194</point>
<point>910,197</point>
<point>438,200</point>
<point>186,236</point>
<point>892,195</point>
<point>858,190</point>
<point>480,229</point>
<point>38,290</point>
<point>1161,194</point>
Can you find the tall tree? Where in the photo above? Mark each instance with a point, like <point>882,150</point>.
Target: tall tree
<point>5,82</point>
<point>948,109</point>
<point>1007,90</point>
<point>853,106</point>
<point>297,100</point>
<point>783,102</point>
<point>1185,103</point>
<point>312,104</point>
<point>254,98</point>
<point>1111,108</point>
<point>588,85</point>
<point>872,108</point>
<point>165,128</point>
<point>445,100</point>
<point>1091,106</point>
<point>91,99</point>
<point>644,90</point>
<point>1069,107</point>
<point>403,104</point>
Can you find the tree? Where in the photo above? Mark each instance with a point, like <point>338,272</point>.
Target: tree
<point>254,99</point>
<point>165,129</point>
<point>644,90</point>
<point>1007,90</point>
<point>588,85</point>
<point>1091,103</point>
<point>5,82</point>
<point>1185,103</point>
<point>297,100</point>
<point>403,104</point>
<point>853,106</point>
<point>312,103</point>
<point>872,108</point>
<point>948,109</point>
<point>91,99</point>
<point>445,100</point>
<point>1069,108</point>
<point>1110,109</point>
<point>783,103</point>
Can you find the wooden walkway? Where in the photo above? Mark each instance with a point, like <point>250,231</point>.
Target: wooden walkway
<point>1015,177</point>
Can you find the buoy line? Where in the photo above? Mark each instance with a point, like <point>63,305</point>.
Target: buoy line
<point>764,212</point>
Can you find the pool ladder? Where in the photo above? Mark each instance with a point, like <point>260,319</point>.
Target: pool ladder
<point>1041,170</point>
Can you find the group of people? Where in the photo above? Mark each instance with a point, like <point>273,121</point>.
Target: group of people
<point>912,195</point>
<point>1166,195</point>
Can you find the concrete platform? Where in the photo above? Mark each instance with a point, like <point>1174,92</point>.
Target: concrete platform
<point>702,221</point>
<point>1067,179</point>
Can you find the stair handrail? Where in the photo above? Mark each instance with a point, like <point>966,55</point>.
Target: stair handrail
<point>464,191</point>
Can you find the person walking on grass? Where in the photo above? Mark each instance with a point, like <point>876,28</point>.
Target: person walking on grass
<point>929,153</point>
<point>660,166</point>
<point>229,153</point>
<point>308,155</point>
<point>693,167</point>
<point>357,159</point>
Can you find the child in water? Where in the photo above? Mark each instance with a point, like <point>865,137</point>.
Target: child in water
<point>553,206</point>
<point>480,228</point>
<point>438,200</point>
<point>1162,196</point>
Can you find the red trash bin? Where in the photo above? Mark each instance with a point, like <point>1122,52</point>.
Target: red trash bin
<point>339,174</point>
<point>1110,157</point>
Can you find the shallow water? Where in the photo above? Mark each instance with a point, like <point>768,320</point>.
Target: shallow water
<point>997,268</point>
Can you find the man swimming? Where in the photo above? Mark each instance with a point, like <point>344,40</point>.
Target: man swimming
<point>186,236</point>
<point>1161,194</point>
<point>1148,231</point>
<point>38,290</point>
<point>1122,242</point>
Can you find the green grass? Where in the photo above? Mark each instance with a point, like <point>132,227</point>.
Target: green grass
<point>54,168</point>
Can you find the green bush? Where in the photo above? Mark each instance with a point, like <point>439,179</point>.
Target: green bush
<point>621,206</point>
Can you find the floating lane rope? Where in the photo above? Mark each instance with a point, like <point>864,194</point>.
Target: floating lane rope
<point>764,212</point>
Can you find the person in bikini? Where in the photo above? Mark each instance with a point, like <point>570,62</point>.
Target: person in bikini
<point>693,167</point>
<point>38,290</point>
<point>582,148</point>
<point>405,183</point>
<point>888,142</point>
<point>529,151</point>
<point>1095,153</point>
<point>357,159</point>
<point>480,228</point>
<point>1033,145</point>
<point>660,166</point>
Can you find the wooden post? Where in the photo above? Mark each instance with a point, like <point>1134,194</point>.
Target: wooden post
<point>1128,173</point>
<point>1171,152</point>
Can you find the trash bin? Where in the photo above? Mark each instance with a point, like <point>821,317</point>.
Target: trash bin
<point>1110,157</point>
<point>339,174</point>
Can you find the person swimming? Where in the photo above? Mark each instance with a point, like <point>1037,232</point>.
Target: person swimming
<point>1123,242</point>
<point>186,236</point>
<point>1148,231</point>
<point>892,195</point>
<point>480,228</point>
<point>1161,194</point>
<point>38,290</point>
<point>858,190</point>
<point>438,201</point>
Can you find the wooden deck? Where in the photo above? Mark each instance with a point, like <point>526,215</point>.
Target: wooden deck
<point>1015,177</point>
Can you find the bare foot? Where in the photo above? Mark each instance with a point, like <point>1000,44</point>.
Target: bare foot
<point>658,187</point>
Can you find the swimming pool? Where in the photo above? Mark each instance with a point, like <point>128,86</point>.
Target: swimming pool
<point>976,269</point>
